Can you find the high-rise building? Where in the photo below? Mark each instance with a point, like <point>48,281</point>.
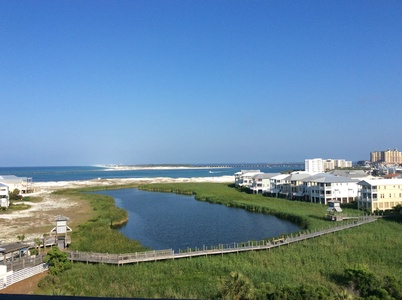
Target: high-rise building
<point>389,156</point>
<point>315,165</point>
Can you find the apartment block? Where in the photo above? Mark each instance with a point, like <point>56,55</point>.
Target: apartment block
<point>319,165</point>
<point>380,194</point>
<point>388,157</point>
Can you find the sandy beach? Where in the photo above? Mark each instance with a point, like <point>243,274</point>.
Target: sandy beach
<point>39,218</point>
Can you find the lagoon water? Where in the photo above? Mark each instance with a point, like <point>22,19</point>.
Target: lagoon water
<point>171,221</point>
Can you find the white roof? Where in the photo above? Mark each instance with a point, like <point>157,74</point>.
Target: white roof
<point>265,175</point>
<point>381,182</point>
<point>328,178</point>
<point>12,178</point>
<point>280,176</point>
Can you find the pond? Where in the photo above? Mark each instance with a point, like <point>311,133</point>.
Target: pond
<point>170,221</point>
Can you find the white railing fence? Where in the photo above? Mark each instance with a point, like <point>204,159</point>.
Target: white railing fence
<point>14,277</point>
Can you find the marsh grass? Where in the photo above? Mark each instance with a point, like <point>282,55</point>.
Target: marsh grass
<point>320,262</point>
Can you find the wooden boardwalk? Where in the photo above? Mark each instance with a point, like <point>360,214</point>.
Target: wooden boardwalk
<point>157,255</point>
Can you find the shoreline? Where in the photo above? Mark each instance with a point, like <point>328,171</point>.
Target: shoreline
<point>32,221</point>
<point>158,167</point>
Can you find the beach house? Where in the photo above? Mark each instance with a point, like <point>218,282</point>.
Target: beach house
<point>323,187</point>
<point>4,200</point>
<point>277,183</point>
<point>261,182</point>
<point>380,194</point>
<point>23,184</point>
<point>245,177</point>
<point>293,186</point>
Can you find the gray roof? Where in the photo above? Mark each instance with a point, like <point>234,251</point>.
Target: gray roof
<point>350,173</point>
<point>265,175</point>
<point>337,209</point>
<point>299,176</point>
<point>328,178</point>
<point>9,248</point>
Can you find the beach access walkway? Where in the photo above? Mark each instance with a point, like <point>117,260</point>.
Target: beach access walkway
<point>169,254</point>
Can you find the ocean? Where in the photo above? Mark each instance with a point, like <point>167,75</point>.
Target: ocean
<point>70,173</point>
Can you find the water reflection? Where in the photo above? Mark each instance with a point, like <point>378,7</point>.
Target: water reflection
<point>171,221</point>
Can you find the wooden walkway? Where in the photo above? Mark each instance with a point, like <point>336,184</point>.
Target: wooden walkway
<point>156,255</point>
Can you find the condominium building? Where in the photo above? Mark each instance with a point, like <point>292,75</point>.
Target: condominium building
<point>388,157</point>
<point>262,182</point>
<point>324,187</point>
<point>380,194</point>
<point>314,165</point>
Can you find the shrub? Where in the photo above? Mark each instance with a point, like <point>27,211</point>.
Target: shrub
<point>58,261</point>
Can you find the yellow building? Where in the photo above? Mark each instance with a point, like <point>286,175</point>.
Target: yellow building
<point>380,194</point>
<point>388,157</point>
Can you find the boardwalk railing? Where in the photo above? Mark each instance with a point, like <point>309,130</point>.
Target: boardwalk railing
<point>121,259</point>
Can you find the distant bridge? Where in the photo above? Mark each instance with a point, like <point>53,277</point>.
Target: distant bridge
<point>156,255</point>
<point>289,165</point>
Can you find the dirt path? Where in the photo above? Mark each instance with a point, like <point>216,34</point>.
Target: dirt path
<point>24,287</point>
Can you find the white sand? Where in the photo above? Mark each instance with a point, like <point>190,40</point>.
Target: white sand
<point>15,223</point>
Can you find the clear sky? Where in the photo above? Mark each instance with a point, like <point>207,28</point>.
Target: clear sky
<point>193,81</point>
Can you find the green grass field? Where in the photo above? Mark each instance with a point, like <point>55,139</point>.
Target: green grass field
<point>320,262</point>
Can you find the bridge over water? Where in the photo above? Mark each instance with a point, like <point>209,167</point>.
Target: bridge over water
<point>138,257</point>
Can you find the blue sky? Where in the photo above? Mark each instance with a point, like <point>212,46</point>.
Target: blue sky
<point>137,82</point>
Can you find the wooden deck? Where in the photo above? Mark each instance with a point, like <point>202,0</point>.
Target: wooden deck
<point>157,255</point>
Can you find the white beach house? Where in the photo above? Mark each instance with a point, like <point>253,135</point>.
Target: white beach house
<point>323,187</point>
<point>23,184</point>
<point>245,177</point>
<point>4,200</point>
<point>293,186</point>
<point>262,182</point>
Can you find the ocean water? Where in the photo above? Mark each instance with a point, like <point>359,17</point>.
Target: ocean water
<point>69,173</point>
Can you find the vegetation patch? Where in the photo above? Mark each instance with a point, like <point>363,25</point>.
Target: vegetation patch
<point>328,267</point>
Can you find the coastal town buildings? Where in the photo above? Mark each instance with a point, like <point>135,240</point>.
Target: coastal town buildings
<point>339,186</point>
<point>23,184</point>
<point>317,165</point>
<point>380,194</point>
<point>386,157</point>
<point>311,187</point>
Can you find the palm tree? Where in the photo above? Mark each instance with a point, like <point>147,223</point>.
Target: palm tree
<point>21,237</point>
<point>38,243</point>
<point>237,287</point>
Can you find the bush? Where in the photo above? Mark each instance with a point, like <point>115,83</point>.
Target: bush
<point>58,261</point>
